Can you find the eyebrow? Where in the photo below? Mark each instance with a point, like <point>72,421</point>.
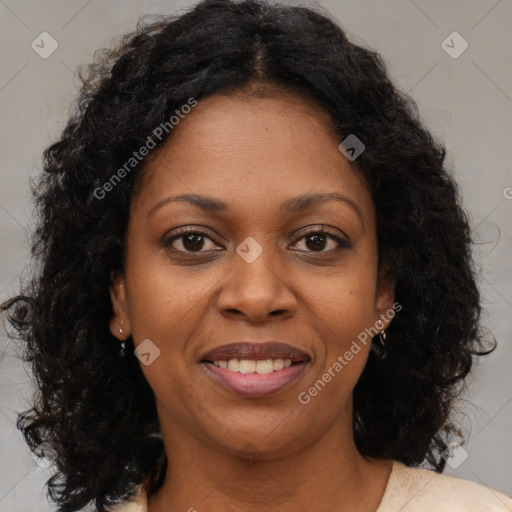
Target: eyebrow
<point>290,206</point>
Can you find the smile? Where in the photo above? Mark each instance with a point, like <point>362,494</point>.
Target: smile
<point>251,378</point>
<point>260,366</point>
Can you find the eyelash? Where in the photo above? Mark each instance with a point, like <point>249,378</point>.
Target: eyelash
<point>342,243</point>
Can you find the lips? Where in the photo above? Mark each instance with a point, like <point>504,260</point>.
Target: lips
<point>256,351</point>
<point>236,367</point>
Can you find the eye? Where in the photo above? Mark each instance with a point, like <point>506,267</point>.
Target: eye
<point>193,240</point>
<point>188,240</point>
<point>317,240</point>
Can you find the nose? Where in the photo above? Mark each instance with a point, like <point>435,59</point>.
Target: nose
<point>257,291</point>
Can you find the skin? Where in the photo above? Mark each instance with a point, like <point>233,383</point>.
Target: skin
<point>229,452</point>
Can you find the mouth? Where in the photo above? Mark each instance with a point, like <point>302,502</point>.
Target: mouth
<point>255,369</point>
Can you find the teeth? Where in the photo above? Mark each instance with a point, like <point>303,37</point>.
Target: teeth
<point>278,364</point>
<point>252,366</point>
<point>264,366</point>
<point>247,366</point>
<point>233,365</point>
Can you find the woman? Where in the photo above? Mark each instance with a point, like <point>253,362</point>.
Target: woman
<point>246,298</point>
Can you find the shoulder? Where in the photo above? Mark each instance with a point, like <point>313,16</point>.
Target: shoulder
<point>422,490</point>
<point>408,490</point>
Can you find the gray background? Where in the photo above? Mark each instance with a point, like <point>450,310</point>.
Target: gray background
<point>466,101</point>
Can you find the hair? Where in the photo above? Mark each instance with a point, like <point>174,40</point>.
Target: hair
<point>94,408</point>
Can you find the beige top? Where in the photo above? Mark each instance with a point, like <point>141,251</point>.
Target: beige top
<point>410,490</point>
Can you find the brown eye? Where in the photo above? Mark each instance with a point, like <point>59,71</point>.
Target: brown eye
<point>317,241</point>
<point>193,242</point>
<point>189,241</point>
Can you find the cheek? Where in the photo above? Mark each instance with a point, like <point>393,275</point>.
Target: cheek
<point>161,309</point>
<point>162,297</point>
<point>162,306</point>
<point>347,312</point>
<point>343,310</point>
<point>150,302</point>
<point>342,315</point>
<point>344,300</point>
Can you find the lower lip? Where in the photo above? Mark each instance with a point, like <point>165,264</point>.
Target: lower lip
<point>255,384</point>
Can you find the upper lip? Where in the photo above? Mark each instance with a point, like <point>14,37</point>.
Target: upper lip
<point>256,351</point>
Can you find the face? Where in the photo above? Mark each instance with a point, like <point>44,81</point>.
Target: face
<point>254,267</point>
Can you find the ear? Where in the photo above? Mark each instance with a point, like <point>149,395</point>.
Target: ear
<point>120,307</point>
<point>385,297</point>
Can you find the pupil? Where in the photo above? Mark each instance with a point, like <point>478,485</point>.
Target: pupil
<point>196,239</point>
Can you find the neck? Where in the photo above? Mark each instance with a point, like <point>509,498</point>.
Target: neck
<point>326,474</point>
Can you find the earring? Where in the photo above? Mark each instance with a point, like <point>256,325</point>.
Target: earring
<point>379,349</point>
<point>382,337</point>
<point>123,344</point>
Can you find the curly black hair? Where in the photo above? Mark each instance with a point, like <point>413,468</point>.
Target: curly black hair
<point>94,408</point>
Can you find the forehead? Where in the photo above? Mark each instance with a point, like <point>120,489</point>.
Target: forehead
<point>253,151</point>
